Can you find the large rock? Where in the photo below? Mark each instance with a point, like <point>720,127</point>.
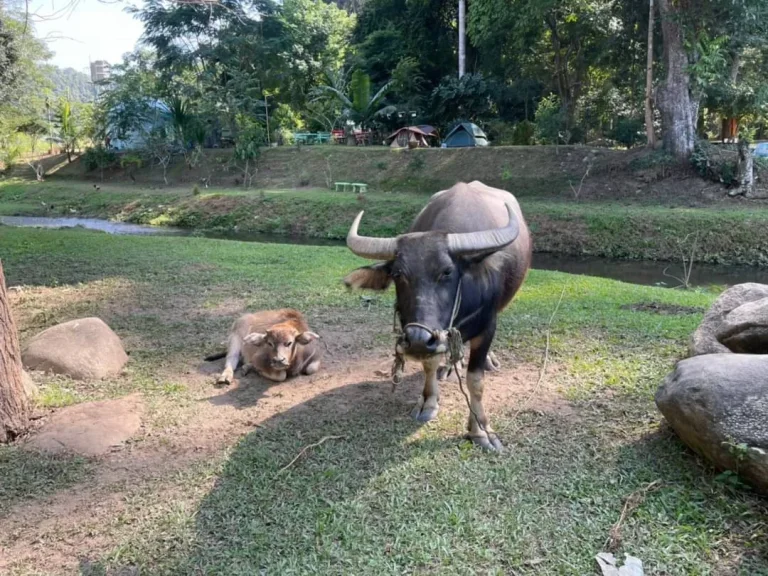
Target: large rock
<point>736,322</point>
<point>90,429</point>
<point>717,402</point>
<point>82,349</point>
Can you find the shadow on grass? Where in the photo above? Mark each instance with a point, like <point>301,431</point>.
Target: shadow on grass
<point>28,475</point>
<point>391,497</point>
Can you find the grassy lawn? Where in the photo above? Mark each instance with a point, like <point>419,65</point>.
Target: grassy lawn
<point>201,490</point>
<point>723,235</point>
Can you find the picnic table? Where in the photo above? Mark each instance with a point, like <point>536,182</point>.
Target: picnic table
<point>312,137</point>
<point>358,187</point>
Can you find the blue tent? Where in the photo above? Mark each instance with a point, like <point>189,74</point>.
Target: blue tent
<point>465,135</point>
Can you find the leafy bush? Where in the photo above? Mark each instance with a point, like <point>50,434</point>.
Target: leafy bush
<point>131,161</point>
<point>550,121</point>
<point>524,133</point>
<point>716,163</point>
<point>99,157</point>
<point>628,131</point>
<point>500,133</point>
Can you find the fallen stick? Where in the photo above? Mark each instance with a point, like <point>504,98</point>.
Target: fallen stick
<point>303,450</point>
<point>633,501</point>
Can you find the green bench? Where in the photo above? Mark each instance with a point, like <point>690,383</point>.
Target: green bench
<point>358,187</point>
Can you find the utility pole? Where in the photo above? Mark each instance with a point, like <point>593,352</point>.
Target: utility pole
<point>462,37</point>
<point>650,134</point>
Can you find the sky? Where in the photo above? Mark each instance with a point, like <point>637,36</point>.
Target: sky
<point>89,29</point>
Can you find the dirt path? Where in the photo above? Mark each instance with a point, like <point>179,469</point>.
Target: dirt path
<point>57,532</point>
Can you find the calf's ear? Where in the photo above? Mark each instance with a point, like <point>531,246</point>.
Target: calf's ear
<point>255,338</point>
<point>306,337</point>
<point>374,277</point>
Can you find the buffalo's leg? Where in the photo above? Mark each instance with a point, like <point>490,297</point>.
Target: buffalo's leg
<point>234,347</point>
<point>428,405</point>
<point>445,368</point>
<point>492,363</point>
<point>311,368</point>
<point>480,431</point>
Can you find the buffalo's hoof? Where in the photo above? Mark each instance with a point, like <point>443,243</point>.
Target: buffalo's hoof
<point>422,413</point>
<point>223,381</point>
<point>492,363</point>
<point>488,442</point>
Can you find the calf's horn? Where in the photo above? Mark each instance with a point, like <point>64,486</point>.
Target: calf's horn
<point>367,247</point>
<point>487,240</point>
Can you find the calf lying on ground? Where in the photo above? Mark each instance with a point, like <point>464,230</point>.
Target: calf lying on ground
<point>277,344</point>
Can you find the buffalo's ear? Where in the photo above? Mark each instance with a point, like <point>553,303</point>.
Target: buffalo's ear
<point>255,338</point>
<point>306,337</point>
<point>375,277</point>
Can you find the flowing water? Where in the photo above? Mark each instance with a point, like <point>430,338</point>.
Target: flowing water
<point>635,272</point>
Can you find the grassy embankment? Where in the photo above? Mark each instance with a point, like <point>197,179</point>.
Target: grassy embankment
<point>201,489</point>
<point>726,235</point>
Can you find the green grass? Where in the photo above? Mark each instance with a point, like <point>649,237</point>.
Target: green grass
<point>391,497</point>
<point>723,235</point>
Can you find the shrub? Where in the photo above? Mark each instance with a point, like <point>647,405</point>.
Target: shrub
<point>628,131</point>
<point>524,133</point>
<point>550,121</point>
<point>500,133</point>
<point>716,163</point>
<point>98,157</point>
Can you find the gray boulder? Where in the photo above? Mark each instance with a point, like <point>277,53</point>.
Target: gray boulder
<point>82,349</point>
<point>736,322</point>
<point>718,405</point>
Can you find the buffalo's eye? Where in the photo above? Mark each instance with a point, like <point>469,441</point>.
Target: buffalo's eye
<point>446,273</point>
<point>397,274</point>
<point>271,344</point>
<point>289,344</point>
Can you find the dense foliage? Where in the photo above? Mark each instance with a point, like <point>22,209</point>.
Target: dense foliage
<point>538,71</point>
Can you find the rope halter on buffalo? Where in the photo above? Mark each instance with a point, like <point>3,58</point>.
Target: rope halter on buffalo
<point>454,348</point>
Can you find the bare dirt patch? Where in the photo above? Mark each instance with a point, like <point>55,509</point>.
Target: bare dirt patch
<point>78,522</point>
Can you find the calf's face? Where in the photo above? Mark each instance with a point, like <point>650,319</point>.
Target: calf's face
<point>280,342</point>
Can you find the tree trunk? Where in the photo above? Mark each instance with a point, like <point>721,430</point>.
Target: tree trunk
<point>14,404</point>
<point>679,109</point>
<point>649,132</point>
<point>462,38</point>
<point>746,169</point>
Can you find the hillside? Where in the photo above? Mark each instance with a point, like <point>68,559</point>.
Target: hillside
<point>567,173</point>
<point>68,82</point>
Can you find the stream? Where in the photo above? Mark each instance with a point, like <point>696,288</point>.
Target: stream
<point>635,272</point>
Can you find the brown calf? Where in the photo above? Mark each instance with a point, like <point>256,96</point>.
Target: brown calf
<point>277,344</point>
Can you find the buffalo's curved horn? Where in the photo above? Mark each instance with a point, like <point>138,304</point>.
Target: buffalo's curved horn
<point>487,240</point>
<point>371,248</point>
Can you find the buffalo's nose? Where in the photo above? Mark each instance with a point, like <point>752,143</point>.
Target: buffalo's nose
<point>420,340</point>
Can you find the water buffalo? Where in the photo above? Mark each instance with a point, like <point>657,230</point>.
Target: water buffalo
<point>277,344</point>
<point>470,244</point>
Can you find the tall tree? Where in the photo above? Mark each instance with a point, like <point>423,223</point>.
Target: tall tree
<point>14,404</point>
<point>679,107</point>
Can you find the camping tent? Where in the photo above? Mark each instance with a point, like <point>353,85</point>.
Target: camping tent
<point>409,137</point>
<point>464,135</point>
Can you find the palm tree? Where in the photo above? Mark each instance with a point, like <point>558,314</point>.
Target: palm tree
<point>358,105</point>
<point>67,128</point>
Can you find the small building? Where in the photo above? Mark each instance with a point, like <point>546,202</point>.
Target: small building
<point>465,135</point>
<point>156,115</point>
<point>409,137</point>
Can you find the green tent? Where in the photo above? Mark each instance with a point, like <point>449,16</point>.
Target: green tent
<point>465,135</point>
